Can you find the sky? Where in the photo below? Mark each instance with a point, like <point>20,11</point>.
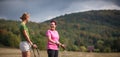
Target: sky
<point>42,10</point>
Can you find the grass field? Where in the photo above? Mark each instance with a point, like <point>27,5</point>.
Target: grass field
<point>10,52</point>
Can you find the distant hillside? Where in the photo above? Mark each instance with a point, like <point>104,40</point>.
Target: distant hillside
<point>104,23</point>
<point>88,28</point>
<point>79,31</point>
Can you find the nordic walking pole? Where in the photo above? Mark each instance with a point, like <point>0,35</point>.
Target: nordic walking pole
<point>63,46</point>
<point>33,52</point>
<point>38,52</point>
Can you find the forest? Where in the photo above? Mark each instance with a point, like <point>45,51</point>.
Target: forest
<point>95,30</point>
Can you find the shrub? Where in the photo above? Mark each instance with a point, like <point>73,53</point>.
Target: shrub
<point>96,50</point>
<point>83,49</point>
<point>107,49</point>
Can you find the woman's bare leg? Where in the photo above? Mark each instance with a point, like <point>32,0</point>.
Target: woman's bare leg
<point>26,54</point>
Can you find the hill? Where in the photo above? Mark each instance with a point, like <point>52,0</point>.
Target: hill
<point>99,29</point>
<point>91,27</point>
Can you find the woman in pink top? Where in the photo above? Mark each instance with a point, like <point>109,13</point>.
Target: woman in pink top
<point>53,40</point>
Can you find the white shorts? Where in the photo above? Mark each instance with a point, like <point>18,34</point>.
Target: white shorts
<point>25,46</point>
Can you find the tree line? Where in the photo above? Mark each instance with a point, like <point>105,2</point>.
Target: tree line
<point>96,31</point>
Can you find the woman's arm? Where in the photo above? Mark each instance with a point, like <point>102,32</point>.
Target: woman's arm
<point>27,37</point>
<point>58,43</point>
<point>49,39</point>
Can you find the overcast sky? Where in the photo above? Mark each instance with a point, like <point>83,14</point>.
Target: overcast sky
<point>42,10</point>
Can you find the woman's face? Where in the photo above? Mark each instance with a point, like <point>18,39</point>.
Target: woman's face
<point>52,25</point>
<point>27,17</point>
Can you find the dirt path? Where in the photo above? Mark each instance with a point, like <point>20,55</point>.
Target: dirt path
<point>10,52</point>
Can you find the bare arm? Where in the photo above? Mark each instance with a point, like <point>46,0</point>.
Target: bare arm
<point>27,37</point>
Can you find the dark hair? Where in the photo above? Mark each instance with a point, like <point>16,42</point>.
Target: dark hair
<point>53,21</point>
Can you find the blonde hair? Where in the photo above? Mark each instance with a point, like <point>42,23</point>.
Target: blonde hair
<point>23,17</point>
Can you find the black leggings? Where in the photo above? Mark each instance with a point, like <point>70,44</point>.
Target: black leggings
<point>52,53</point>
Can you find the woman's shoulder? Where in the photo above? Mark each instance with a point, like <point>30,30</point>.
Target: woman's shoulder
<point>21,24</point>
<point>48,30</point>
